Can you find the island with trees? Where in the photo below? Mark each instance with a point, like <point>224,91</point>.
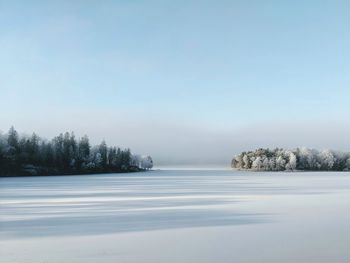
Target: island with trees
<point>289,160</point>
<point>64,154</point>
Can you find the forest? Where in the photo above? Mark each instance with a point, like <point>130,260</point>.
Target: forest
<point>288,160</point>
<point>64,154</point>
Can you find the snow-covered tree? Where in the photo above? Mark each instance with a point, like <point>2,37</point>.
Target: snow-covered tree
<point>146,162</point>
<point>327,159</point>
<point>63,155</point>
<point>280,163</point>
<point>257,164</point>
<point>292,163</point>
<point>298,159</point>
<point>347,165</point>
<point>246,162</point>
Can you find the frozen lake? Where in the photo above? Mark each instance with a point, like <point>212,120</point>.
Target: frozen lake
<point>176,216</point>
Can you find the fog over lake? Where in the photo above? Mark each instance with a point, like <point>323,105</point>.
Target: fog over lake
<point>176,216</point>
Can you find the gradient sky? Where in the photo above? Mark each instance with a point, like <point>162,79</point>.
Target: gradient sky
<point>189,82</point>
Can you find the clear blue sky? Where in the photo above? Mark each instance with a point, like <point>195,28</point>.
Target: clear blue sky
<point>186,81</point>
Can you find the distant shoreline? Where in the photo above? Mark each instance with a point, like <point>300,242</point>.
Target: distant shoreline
<point>299,159</point>
<point>76,174</point>
<point>64,155</point>
<point>288,171</point>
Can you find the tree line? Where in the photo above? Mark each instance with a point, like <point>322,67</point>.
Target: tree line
<point>64,154</point>
<point>298,159</point>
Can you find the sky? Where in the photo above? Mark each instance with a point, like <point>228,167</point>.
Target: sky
<point>188,82</point>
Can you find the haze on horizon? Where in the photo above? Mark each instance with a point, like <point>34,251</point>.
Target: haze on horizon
<point>188,82</point>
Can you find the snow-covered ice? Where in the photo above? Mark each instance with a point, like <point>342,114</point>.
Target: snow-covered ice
<point>176,216</point>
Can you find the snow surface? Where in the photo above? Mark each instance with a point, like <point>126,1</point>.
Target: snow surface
<point>176,216</point>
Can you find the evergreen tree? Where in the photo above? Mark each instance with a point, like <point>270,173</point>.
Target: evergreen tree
<point>103,152</point>
<point>63,154</point>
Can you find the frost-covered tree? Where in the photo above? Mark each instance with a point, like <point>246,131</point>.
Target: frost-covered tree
<point>64,154</point>
<point>272,164</point>
<point>146,162</point>
<point>298,159</point>
<point>12,138</point>
<point>136,160</point>
<point>246,162</point>
<point>280,163</point>
<point>257,164</point>
<point>347,164</point>
<point>102,150</point>
<point>292,163</point>
<point>326,159</point>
